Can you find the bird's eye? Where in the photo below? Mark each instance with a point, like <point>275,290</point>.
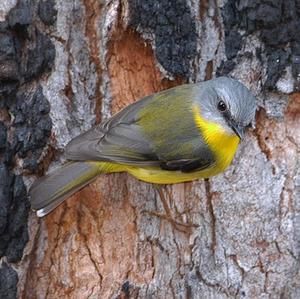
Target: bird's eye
<point>250,126</point>
<point>222,106</point>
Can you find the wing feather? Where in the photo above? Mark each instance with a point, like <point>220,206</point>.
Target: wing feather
<point>144,134</point>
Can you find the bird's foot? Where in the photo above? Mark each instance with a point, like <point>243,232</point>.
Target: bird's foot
<point>177,224</point>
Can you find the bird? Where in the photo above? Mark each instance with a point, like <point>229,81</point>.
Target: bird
<point>181,134</point>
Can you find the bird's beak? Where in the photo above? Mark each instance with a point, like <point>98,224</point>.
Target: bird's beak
<point>238,130</point>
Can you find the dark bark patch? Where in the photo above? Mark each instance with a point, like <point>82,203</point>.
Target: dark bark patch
<point>233,43</point>
<point>3,137</point>
<point>26,54</point>
<point>21,15</point>
<point>32,125</point>
<point>8,282</point>
<point>175,32</point>
<point>14,208</point>
<point>276,23</point>
<point>47,11</point>
<point>40,59</point>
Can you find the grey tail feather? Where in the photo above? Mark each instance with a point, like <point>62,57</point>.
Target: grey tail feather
<point>50,191</point>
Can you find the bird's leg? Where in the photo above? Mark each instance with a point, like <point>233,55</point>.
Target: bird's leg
<point>181,226</point>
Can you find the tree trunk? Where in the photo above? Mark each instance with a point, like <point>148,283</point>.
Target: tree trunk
<point>67,65</point>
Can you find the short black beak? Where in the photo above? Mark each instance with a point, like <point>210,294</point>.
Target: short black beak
<point>238,130</point>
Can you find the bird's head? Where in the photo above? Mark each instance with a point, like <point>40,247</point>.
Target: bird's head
<point>227,103</point>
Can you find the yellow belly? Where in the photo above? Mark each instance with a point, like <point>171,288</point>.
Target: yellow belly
<point>223,158</point>
<point>157,175</point>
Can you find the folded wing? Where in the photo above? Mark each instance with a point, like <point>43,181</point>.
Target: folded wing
<point>158,130</point>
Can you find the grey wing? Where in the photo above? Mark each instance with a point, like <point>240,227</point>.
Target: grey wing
<point>118,140</point>
<point>121,139</point>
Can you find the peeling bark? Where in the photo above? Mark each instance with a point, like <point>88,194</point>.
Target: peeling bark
<point>236,235</point>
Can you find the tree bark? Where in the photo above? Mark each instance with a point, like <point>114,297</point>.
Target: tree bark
<point>77,62</point>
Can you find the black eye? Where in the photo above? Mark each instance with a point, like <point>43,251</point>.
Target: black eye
<point>250,126</point>
<point>222,106</point>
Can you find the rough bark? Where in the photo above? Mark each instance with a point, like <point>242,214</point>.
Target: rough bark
<point>66,65</point>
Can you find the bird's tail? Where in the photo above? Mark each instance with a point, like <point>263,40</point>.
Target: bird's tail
<point>50,191</point>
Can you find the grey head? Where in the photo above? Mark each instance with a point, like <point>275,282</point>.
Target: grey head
<point>227,102</point>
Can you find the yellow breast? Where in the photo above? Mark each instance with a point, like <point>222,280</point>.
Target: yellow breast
<point>222,144</point>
